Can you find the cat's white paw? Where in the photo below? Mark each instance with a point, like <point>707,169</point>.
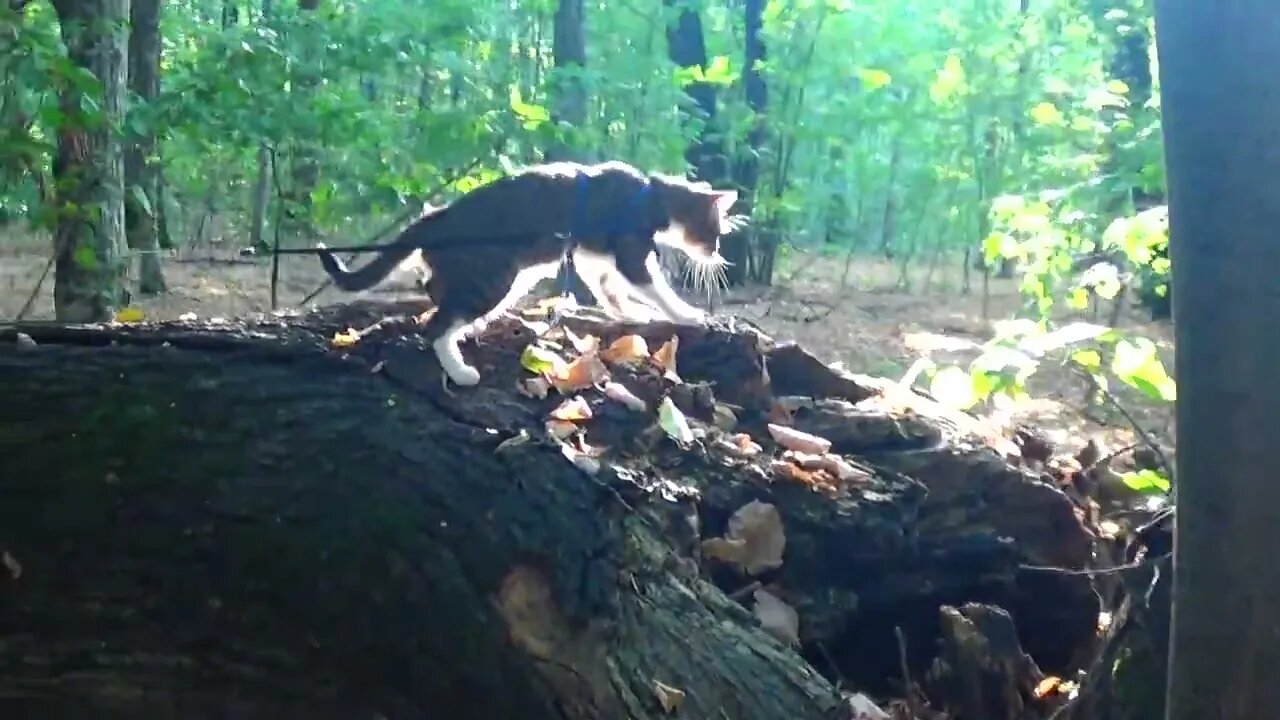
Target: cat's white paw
<point>464,375</point>
<point>696,317</point>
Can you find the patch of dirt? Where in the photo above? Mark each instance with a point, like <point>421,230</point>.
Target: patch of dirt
<point>858,313</point>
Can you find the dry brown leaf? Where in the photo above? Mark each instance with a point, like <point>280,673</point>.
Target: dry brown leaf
<point>581,460</point>
<point>741,444</point>
<point>760,526</point>
<point>560,429</point>
<point>862,707</point>
<point>583,344</point>
<point>619,393</point>
<point>626,349</point>
<point>582,373</point>
<point>573,409</point>
<point>514,441</point>
<point>793,439</point>
<point>536,388</point>
<point>723,417</point>
<point>345,339</point>
<point>665,357</point>
<point>777,618</point>
<point>12,565</point>
<point>843,469</point>
<point>668,697</point>
<point>731,551</point>
<point>1048,685</point>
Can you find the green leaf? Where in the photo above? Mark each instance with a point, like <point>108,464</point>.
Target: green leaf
<point>537,359</point>
<point>874,79</point>
<point>1090,360</point>
<point>1046,113</point>
<point>1066,335</point>
<point>85,257</point>
<point>673,422</point>
<point>1147,482</point>
<point>140,197</point>
<point>719,72</point>
<point>533,115</point>
<point>1137,364</point>
<point>953,387</point>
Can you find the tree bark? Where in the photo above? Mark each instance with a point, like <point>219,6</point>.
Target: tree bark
<point>688,49</point>
<point>262,185</point>
<point>141,173</point>
<point>305,163</point>
<point>737,247</point>
<point>569,102</point>
<point>89,240</point>
<point>261,525</point>
<point>1221,109</point>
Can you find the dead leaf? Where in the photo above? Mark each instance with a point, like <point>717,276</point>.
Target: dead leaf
<point>837,466</point>
<point>129,315</point>
<point>724,418</point>
<point>665,357</point>
<point>187,317</point>
<point>572,410</point>
<point>12,565</point>
<point>753,542</point>
<point>668,697</point>
<point>626,349</point>
<point>619,393</point>
<point>741,445</point>
<point>377,367</point>
<point>583,344</point>
<point>793,439</point>
<point>514,441</point>
<point>777,618</point>
<point>582,373</point>
<point>345,339</point>
<point>24,341</point>
<point>1048,685</point>
<point>862,707</point>
<point>581,460</point>
<point>536,388</point>
<point>560,429</point>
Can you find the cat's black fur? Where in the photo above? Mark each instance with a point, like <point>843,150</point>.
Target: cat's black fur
<point>487,249</point>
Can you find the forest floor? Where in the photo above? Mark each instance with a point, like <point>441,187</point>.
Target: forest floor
<point>864,321</point>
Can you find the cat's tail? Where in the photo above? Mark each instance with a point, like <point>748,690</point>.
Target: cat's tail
<point>373,272</point>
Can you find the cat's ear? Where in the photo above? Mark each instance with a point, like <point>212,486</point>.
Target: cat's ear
<point>722,200</point>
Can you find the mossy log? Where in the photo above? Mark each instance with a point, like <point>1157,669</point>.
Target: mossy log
<point>238,519</point>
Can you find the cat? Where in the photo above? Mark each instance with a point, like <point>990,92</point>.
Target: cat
<point>485,251</point>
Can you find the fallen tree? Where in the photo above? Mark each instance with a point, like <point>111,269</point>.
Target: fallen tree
<point>278,517</point>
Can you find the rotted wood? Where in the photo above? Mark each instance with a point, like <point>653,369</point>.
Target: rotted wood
<point>203,519</point>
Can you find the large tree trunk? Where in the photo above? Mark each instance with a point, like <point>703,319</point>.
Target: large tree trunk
<point>141,173</point>
<point>89,241</point>
<point>737,247</point>
<point>688,49</point>
<point>1221,110</point>
<point>239,519</point>
<point>569,100</point>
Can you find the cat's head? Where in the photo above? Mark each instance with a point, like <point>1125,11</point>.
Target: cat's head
<point>696,216</point>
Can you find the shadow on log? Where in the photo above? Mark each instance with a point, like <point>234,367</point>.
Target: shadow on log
<point>240,520</point>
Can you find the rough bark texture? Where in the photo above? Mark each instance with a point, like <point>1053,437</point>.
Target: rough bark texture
<point>687,49</point>
<point>1221,111</point>
<point>141,173</point>
<point>240,519</point>
<point>89,271</point>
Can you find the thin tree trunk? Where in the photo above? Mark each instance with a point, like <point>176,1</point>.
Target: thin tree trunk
<point>305,165</point>
<point>737,247</point>
<point>89,241</point>
<point>141,172</point>
<point>262,187</point>
<point>889,222</point>
<point>688,49</point>
<point>1221,101</point>
<point>569,95</point>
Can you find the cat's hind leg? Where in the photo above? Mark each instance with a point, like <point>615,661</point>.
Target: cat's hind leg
<point>446,329</point>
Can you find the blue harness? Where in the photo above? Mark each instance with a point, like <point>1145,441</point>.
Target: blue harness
<point>612,225</point>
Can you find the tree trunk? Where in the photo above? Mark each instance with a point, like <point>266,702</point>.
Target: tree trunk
<point>889,221</point>
<point>1221,108</point>
<point>569,95</point>
<point>569,100</point>
<point>262,186</point>
<point>260,525</point>
<point>89,241</point>
<point>141,173</point>
<point>737,247</point>
<point>305,164</point>
<point>687,49</point>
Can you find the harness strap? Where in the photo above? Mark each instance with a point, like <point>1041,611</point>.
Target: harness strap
<point>614,224</point>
